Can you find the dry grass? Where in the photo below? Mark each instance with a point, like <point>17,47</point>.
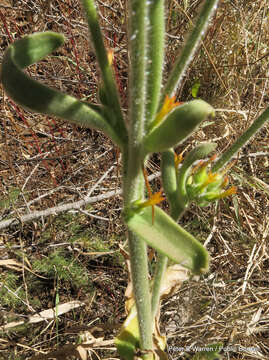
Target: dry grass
<point>53,163</point>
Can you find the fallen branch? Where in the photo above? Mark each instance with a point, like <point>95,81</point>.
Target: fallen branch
<point>58,209</point>
<point>77,205</point>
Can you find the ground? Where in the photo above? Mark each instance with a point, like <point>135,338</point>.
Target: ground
<point>75,256</point>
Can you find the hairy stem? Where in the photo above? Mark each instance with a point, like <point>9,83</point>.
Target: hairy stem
<point>133,188</point>
<point>139,266</point>
<point>186,56</point>
<point>105,67</point>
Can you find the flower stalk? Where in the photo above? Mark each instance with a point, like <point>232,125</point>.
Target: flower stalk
<point>242,140</point>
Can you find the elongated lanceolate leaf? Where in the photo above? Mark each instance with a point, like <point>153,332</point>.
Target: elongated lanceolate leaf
<point>177,126</point>
<point>168,237</point>
<point>189,49</point>
<point>40,98</point>
<point>155,49</point>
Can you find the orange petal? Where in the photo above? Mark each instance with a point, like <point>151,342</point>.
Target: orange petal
<point>153,200</point>
<point>169,104</point>
<point>228,192</point>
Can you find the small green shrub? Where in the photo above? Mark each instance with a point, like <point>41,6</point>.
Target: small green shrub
<point>61,266</point>
<point>11,290</point>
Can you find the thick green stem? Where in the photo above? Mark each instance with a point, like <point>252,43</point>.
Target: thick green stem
<point>133,180</point>
<point>242,140</point>
<point>105,67</point>
<point>186,56</point>
<point>139,266</point>
<point>133,190</point>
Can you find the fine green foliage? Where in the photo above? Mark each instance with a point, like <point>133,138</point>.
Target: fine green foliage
<point>58,265</point>
<point>155,123</point>
<point>10,292</point>
<point>11,199</point>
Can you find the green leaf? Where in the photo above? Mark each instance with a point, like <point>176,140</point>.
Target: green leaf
<point>128,339</point>
<point>40,98</point>
<point>168,237</point>
<point>195,88</point>
<point>188,51</point>
<point>155,52</point>
<point>177,126</point>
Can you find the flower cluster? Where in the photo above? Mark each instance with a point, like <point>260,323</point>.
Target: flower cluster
<point>204,186</point>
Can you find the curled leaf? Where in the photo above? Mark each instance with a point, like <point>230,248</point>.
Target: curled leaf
<point>169,105</point>
<point>40,98</point>
<point>177,126</point>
